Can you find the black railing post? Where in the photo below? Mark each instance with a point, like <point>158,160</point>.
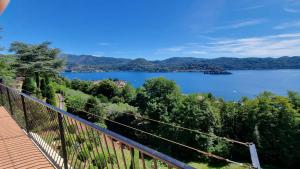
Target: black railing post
<point>9,101</point>
<point>62,139</point>
<point>2,99</point>
<point>25,114</point>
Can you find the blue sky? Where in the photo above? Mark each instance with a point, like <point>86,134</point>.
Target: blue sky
<point>157,29</point>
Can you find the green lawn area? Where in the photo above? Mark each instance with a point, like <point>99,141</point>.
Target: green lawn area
<point>69,92</point>
<point>207,166</point>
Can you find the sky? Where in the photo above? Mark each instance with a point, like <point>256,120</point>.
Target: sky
<point>157,29</point>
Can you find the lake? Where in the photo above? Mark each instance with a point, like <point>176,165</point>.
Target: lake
<point>231,87</point>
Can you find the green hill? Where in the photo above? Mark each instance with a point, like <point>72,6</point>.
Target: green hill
<point>93,63</point>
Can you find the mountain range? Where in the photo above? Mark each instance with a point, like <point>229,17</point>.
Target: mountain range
<point>180,64</point>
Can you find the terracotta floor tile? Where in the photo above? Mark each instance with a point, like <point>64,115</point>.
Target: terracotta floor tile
<point>17,151</point>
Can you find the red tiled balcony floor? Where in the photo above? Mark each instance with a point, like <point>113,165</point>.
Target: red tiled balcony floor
<point>17,151</point>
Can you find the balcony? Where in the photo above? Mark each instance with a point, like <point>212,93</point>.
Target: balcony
<point>16,148</point>
<point>34,134</point>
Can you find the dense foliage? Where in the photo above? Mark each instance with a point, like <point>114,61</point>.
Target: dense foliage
<point>268,120</point>
<point>7,73</point>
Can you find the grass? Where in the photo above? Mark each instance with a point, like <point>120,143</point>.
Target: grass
<point>70,92</point>
<point>118,107</point>
<point>207,166</point>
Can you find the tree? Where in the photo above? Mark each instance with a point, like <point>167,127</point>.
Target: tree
<point>50,95</point>
<point>276,129</point>
<point>238,121</point>
<point>37,79</point>
<point>140,99</point>
<point>7,74</point>
<point>128,93</point>
<point>294,98</point>
<point>106,88</point>
<point>43,87</point>
<point>93,107</point>
<point>38,59</point>
<point>161,96</point>
<point>29,86</point>
<point>194,112</point>
<point>75,84</point>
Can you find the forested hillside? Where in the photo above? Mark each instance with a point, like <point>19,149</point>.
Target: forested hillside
<point>93,63</point>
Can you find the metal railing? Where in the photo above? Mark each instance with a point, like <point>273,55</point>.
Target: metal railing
<point>72,142</point>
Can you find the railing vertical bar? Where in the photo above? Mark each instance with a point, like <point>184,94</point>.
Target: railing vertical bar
<point>73,140</point>
<point>48,134</point>
<point>132,158</point>
<point>102,149</point>
<point>84,148</point>
<point>155,163</point>
<point>70,136</point>
<point>123,156</point>
<point>9,101</point>
<point>63,141</point>
<point>25,114</point>
<point>111,162</point>
<point>87,129</point>
<point>113,144</point>
<point>2,99</point>
<point>98,152</point>
<point>254,156</point>
<point>91,143</point>
<point>143,160</point>
<point>80,145</point>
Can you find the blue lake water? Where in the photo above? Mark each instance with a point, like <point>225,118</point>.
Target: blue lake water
<point>231,87</point>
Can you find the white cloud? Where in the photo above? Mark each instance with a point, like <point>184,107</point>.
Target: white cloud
<point>175,49</point>
<point>291,10</point>
<point>253,7</point>
<point>197,52</point>
<point>292,6</point>
<point>288,25</point>
<point>241,24</point>
<point>264,46</point>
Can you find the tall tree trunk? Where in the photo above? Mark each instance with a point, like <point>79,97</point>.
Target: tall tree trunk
<point>37,79</point>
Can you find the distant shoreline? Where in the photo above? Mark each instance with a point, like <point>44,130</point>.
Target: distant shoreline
<point>169,71</point>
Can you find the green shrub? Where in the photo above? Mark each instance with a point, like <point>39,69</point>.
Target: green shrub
<point>117,99</point>
<point>102,98</point>
<point>99,161</point>
<point>111,159</point>
<point>43,87</point>
<point>50,95</point>
<point>71,129</point>
<point>69,140</point>
<point>29,85</point>
<point>88,145</point>
<point>221,148</point>
<point>83,154</point>
<point>80,139</point>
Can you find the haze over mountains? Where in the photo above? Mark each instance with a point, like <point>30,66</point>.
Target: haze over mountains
<point>94,63</point>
